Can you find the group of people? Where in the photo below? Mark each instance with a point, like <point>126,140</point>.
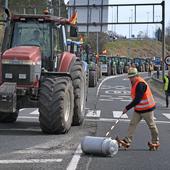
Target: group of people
<point>144,106</point>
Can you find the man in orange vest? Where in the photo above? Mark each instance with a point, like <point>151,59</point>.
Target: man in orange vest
<point>144,105</point>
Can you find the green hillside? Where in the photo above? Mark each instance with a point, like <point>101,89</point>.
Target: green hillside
<point>147,48</point>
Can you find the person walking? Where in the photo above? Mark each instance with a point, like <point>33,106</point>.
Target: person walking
<point>144,105</point>
<point>167,87</point>
<point>150,70</point>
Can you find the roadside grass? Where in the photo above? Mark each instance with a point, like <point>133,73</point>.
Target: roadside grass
<point>134,47</point>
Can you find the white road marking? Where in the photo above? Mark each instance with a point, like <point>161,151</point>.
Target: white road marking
<point>39,151</point>
<point>21,129</point>
<point>124,100</point>
<point>120,87</point>
<point>110,100</point>
<point>27,117</point>
<point>167,115</point>
<point>35,112</point>
<point>21,110</point>
<point>93,113</point>
<point>127,96</point>
<point>23,161</point>
<point>117,92</point>
<point>74,161</point>
<point>117,114</point>
<point>122,120</point>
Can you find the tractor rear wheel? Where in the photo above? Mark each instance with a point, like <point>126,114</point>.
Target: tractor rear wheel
<point>8,117</point>
<point>79,84</point>
<point>56,105</point>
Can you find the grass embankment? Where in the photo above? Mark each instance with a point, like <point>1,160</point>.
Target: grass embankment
<point>133,48</point>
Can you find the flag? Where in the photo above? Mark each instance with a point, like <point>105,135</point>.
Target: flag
<point>73,18</point>
<point>104,51</point>
<point>81,38</point>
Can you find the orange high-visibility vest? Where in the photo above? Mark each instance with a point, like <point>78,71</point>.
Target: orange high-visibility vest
<point>147,101</point>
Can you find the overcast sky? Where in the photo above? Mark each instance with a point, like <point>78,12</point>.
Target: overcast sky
<point>143,14</point>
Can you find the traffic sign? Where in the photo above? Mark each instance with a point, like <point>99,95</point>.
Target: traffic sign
<point>167,60</point>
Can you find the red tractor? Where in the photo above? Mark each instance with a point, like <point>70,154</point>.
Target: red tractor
<point>38,72</point>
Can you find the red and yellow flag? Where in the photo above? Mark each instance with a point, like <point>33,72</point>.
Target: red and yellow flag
<point>73,18</point>
<point>104,51</point>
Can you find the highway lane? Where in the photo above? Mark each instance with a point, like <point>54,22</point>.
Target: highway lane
<point>24,146</point>
<point>114,96</point>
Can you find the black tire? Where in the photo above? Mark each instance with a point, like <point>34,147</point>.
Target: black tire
<point>8,117</point>
<point>56,105</point>
<point>92,79</point>
<point>80,92</point>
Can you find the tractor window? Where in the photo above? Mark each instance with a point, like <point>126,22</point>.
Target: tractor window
<point>32,33</point>
<point>103,59</point>
<point>58,45</point>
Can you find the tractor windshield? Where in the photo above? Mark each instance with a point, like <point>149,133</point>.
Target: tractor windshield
<point>32,33</point>
<point>103,59</point>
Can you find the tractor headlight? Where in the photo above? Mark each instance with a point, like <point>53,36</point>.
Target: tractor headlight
<point>22,76</point>
<point>8,75</point>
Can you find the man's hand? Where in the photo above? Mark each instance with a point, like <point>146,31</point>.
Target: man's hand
<point>124,111</point>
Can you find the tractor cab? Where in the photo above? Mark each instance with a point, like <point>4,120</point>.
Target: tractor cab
<point>43,31</point>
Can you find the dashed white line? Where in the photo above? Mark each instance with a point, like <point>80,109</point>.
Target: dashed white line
<point>27,117</point>
<point>23,161</point>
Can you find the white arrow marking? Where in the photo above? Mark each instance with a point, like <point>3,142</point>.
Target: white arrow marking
<point>93,113</point>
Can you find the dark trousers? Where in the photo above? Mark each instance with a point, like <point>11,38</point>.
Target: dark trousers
<point>167,94</point>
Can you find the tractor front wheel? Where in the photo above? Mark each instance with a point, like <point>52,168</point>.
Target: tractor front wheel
<point>56,105</point>
<point>79,84</point>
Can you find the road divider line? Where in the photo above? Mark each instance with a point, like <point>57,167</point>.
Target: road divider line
<point>125,100</point>
<point>21,129</point>
<point>27,117</point>
<point>23,161</point>
<point>122,120</point>
<point>74,161</point>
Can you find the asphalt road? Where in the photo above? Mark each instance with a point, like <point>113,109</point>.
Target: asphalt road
<point>25,147</point>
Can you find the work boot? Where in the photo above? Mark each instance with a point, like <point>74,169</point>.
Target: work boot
<point>153,146</point>
<point>122,143</point>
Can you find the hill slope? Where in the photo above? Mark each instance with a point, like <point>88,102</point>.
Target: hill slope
<point>147,48</point>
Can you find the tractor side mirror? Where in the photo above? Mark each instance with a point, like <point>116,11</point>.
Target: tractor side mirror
<point>73,31</point>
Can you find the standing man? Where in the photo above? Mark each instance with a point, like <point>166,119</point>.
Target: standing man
<point>167,87</point>
<point>36,38</point>
<point>144,105</point>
